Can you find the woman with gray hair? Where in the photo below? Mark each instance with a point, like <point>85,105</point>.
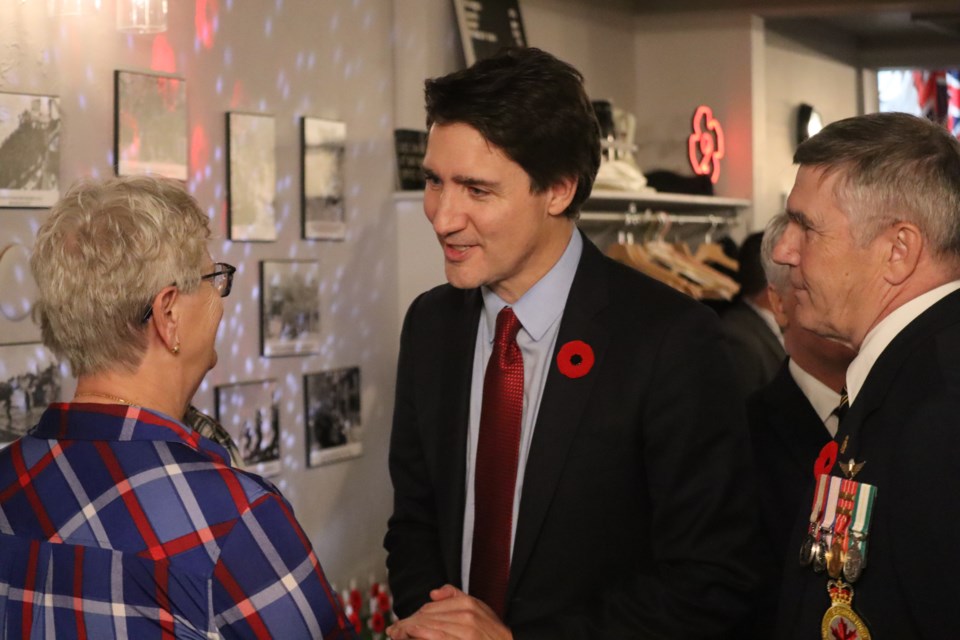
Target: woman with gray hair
<point>117,519</point>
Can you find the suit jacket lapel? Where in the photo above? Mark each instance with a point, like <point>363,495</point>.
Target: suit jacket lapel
<point>453,391</point>
<point>881,376</point>
<point>561,405</point>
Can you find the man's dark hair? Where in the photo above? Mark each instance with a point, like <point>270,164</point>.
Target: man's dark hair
<point>533,107</point>
<point>750,275</point>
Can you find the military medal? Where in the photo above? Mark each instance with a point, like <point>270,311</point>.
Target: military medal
<point>856,560</point>
<point>813,532</point>
<point>822,551</point>
<point>840,620</point>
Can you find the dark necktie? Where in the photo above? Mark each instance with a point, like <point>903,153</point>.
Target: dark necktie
<point>844,405</point>
<point>498,449</point>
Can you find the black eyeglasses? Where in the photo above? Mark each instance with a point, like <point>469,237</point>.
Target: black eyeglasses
<point>221,277</point>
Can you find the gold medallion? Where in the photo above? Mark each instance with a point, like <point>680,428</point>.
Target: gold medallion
<point>841,622</point>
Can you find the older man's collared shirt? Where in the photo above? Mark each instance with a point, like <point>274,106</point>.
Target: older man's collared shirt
<point>119,522</point>
<point>539,311</point>
<point>822,398</point>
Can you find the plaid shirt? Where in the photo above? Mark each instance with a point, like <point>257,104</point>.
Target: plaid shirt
<point>118,522</point>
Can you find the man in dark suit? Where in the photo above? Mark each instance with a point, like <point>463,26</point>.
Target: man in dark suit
<point>629,506</point>
<point>874,255</point>
<point>749,326</point>
<point>791,418</point>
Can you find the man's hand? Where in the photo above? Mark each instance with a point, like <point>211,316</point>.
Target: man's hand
<point>451,614</point>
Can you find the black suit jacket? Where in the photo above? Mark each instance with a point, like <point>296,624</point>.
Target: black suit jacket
<point>787,436</point>
<point>756,352</point>
<point>905,423</point>
<point>636,513</point>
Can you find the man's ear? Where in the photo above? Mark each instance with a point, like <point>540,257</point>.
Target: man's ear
<point>776,305</point>
<point>905,245</point>
<point>561,195</point>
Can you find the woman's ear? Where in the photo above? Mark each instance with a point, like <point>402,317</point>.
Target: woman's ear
<point>166,317</point>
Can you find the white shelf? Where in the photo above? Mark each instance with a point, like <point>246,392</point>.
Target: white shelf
<point>607,200</point>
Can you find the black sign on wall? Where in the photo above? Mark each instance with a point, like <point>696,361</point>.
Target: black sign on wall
<point>486,26</point>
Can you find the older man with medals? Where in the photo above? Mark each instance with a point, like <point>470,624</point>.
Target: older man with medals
<point>873,248</point>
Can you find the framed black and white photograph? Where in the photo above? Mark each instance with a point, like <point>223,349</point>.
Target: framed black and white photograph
<point>18,293</point>
<point>251,177</point>
<point>332,415</point>
<point>29,150</point>
<point>486,26</point>
<point>29,381</point>
<point>250,412</point>
<point>290,307</point>
<point>150,125</point>
<point>323,144</point>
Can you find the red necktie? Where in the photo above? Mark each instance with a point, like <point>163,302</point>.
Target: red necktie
<point>498,450</point>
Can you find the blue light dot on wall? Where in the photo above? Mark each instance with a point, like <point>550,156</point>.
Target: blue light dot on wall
<point>82,101</point>
<point>300,60</point>
<point>279,5</point>
<point>335,21</point>
<point>207,171</point>
<point>211,212</point>
<point>217,191</point>
<point>217,153</point>
<point>227,56</point>
<point>219,85</point>
<point>311,60</point>
<point>268,27</point>
<point>229,5</point>
<point>263,104</point>
<point>248,366</point>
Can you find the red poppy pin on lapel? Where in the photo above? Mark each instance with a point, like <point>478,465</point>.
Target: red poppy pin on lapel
<point>575,359</point>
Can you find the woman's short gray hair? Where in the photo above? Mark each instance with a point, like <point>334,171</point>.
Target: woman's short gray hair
<point>108,247</point>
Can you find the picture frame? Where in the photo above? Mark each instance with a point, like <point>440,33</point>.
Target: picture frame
<point>18,294</point>
<point>250,413</point>
<point>30,379</point>
<point>332,417</point>
<point>251,177</point>
<point>29,150</point>
<point>323,147</point>
<point>289,307</point>
<point>150,125</point>
<point>487,27</point>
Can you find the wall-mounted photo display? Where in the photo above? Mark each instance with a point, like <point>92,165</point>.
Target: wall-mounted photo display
<point>29,150</point>
<point>250,412</point>
<point>411,146</point>
<point>486,26</point>
<point>323,144</point>
<point>29,381</point>
<point>289,307</point>
<point>332,415</point>
<point>18,293</point>
<point>150,125</point>
<point>251,177</point>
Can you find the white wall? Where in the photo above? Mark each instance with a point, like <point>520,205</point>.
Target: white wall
<point>799,70</point>
<point>289,58</point>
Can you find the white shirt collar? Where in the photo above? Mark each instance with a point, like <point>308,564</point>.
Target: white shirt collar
<point>886,330</point>
<point>823,399</point>
<point>543,303</point>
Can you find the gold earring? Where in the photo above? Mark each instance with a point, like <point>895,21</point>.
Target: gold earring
<point>176,348</point>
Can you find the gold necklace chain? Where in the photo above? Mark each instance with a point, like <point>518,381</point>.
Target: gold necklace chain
<point>106,396</point>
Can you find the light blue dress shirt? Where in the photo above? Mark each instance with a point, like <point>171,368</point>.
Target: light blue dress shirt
<point>539,311</point>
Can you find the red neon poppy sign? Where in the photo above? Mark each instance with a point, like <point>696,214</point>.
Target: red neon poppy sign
<point>705,144</point>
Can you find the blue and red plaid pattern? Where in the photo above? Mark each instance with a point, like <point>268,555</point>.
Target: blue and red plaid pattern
<point>118,522</point>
